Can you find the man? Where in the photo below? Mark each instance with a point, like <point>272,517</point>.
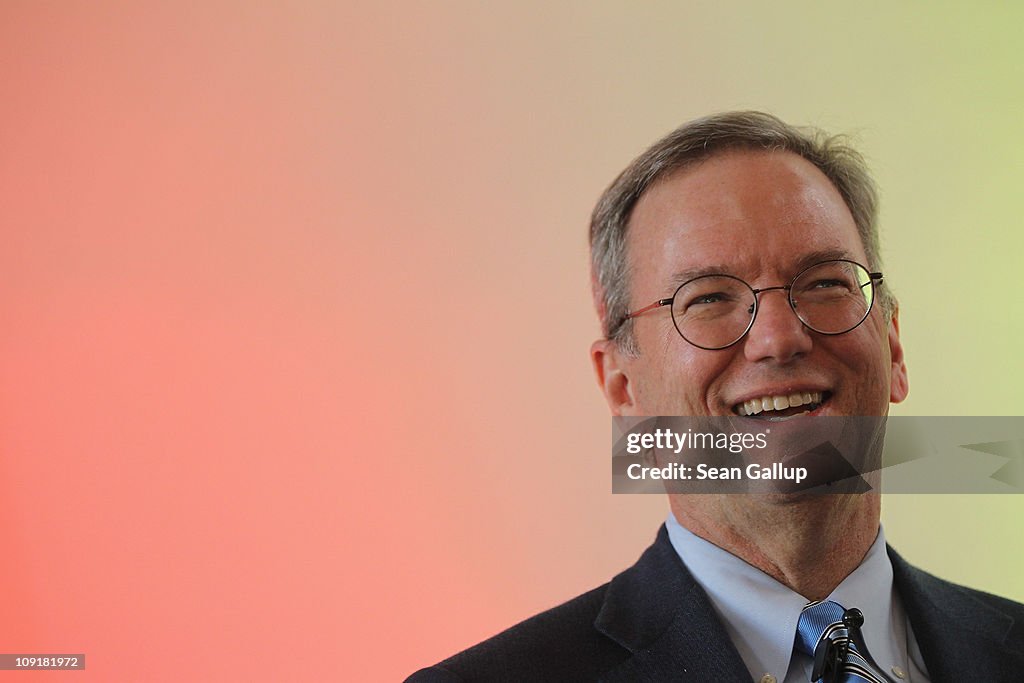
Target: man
<point>751,587</point>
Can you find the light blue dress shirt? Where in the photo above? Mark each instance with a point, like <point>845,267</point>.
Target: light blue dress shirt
<point>761,614</point>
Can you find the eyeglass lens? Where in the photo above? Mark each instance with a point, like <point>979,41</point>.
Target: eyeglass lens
<point>715,311</point>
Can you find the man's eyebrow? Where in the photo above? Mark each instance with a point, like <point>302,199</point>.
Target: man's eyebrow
<point>829,254</point>
<point>803,261</point>
<point>681,276</point>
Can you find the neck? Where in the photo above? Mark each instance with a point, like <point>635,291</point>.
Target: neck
<point>809,544</point>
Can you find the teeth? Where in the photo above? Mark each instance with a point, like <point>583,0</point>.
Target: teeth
<point>769,403</point>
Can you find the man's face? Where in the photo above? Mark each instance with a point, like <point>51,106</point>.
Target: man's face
<point>762,217</point>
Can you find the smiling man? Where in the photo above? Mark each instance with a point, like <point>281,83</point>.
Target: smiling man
<point>736,272</point>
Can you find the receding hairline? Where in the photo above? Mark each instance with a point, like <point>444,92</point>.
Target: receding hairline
<point>691,166</point>
<point>803,168</point>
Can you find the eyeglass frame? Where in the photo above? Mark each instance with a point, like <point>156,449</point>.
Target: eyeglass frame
<point>872,278</point>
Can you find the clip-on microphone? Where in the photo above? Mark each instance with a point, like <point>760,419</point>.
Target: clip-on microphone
<point>829,656</point>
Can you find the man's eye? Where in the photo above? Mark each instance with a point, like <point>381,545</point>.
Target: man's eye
<point>708,299</point>
<point>825,284</point>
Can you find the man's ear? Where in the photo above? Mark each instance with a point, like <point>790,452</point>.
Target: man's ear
<point>898,383</point>
<point>610,368</point>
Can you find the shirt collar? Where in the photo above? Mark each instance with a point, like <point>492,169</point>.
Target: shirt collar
<point>763,628</point>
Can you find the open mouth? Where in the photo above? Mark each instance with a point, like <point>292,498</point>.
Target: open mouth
<point>782,407</point>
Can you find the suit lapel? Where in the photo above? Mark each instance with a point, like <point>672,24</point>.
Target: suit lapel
<point>658,612</point>
<point>961,638</point>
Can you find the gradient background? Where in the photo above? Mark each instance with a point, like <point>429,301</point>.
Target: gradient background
<point>293,373</point>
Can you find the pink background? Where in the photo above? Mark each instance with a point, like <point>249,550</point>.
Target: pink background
<point>294,378</point>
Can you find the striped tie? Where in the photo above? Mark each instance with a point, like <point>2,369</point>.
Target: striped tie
<point>822,634</point>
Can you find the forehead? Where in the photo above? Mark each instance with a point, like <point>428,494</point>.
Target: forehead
<point>747,212</point>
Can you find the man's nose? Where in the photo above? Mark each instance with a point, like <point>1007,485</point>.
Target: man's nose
<point>777,333</point>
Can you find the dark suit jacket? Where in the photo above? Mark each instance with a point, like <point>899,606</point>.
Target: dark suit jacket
<point>653,622</point>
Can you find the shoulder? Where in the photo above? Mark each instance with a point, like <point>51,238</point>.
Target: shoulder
<point>927,592</point>
<point>591,634</point>
<point>950,620</point>
<point>550,645</point>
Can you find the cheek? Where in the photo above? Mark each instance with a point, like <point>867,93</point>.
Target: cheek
<point>674,377</point>
<point>679,384</point>
<point>866,364</point>
<point>865,349</point>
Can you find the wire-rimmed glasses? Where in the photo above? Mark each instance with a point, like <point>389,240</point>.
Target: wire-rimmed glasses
<point>715,311</point>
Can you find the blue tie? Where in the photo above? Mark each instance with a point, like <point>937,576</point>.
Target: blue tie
<point>822,634</point>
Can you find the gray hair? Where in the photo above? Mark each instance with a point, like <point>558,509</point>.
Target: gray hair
<point>689,144</point>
